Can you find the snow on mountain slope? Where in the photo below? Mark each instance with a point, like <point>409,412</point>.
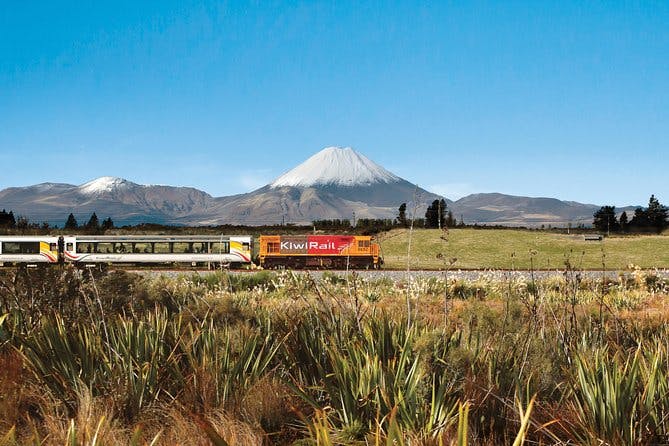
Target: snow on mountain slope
<point>336,166</point>
<point>103,184</point>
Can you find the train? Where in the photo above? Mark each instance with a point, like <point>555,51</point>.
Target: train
<point>234,251</point>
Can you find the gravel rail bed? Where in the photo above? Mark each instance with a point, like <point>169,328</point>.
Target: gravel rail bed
<point>398,275</point>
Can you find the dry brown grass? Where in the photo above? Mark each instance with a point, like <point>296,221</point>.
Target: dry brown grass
<point>12,383</point>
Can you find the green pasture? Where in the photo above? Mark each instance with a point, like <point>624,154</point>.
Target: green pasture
<point>519,249</point>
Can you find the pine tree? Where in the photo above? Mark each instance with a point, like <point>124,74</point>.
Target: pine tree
<point>7,219</point>
<point>624,222</point>
<point>639,220</point>
<point>93,224</point>
<point>71,222</point>
<point>402,215</point>
<point>22,223</point>
<point>107,224</point>
<point>432,215</point>
<point>450,220</point>
<point>657,214</point>
<point>435,216</point>
<point>605,219</point>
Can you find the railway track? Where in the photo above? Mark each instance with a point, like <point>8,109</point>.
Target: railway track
<point>403,274</point>
<point>394,274</point>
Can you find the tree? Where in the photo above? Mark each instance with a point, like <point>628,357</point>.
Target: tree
<point>624,223</point>
<point>22,223</point>
<point>402,215</point>
<point>71,222</point>
<point>435,214</point>
<point>605,219</point>
<point>93,224</point>
<point>7,219</point>
<point>450,220</point>
<point>432,215</point>
<point>653,218</point>
<point>657,214</point>
<point>639,220</point>
<point>107,223</point>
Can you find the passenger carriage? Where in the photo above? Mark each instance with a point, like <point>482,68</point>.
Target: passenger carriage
<point>128,249</point>
<point>28,249</point>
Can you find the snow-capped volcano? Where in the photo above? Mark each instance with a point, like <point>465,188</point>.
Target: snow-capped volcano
<point>103,184</point>
<point>335,183</point>
<point>336,166</point>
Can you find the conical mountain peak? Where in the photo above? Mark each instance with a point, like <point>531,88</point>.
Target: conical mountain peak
<point>103,184</point>
<point>340,166</point>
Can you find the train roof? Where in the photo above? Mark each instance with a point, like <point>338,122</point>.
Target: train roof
<point>27,238</point>
<point>159,238</point>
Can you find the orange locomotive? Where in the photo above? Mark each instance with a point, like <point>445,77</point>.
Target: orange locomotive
<point>319,251</point>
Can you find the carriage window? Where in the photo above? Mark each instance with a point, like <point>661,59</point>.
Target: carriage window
<point>53,246</point>
<point>69,247</point>
<point>122,248</point>
<point>161,247</point>
<point>103,248</point>
<point>183,247</point>
<point>20,248</point>
<point>84,247</point>
<point>142,248</point>
<point>220,247</point>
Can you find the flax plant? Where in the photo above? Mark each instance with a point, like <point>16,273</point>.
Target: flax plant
<point>220,362</point>
<point>606,397</point>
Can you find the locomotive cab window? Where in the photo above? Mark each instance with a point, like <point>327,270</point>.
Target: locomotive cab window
<point>273,247</point>
<point>363,244</point>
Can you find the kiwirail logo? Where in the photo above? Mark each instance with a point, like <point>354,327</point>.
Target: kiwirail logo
<point>310,245</point>
<point>315,244</point>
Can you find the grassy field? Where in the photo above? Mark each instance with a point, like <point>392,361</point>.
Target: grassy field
<point>520,249</point>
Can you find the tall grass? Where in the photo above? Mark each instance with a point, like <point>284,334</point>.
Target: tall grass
<point>286,359</point>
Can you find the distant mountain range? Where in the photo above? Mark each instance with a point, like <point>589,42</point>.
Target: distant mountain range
<point>333,183</point>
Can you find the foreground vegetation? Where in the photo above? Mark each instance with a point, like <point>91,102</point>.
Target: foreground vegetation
<point>466,248</point>
<point>283,359</point>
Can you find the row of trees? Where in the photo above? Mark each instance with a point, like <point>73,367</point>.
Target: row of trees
<point>437,215</point>
<point>93,226</point>
<point>8,221</point>
<point>654,218</point>
<point>364,225</point>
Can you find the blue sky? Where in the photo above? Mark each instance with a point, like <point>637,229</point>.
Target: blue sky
<point>561,99</point>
